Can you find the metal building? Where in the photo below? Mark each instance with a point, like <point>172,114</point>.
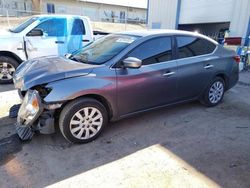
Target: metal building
<point>123,11</point>
<point>213,18</point>
<point>100,10</point>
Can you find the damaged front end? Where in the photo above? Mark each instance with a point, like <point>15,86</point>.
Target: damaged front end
<point>31,79</point>
<point>35,115</point>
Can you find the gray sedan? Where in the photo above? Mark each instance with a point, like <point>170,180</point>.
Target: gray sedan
<point>118,76</point>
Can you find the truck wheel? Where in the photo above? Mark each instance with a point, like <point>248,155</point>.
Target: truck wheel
<point>83,120</point>
<point>8,66</point>
<point>213,95</point>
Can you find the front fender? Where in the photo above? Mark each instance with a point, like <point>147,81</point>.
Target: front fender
<point>13,45</point>
<point>71,88</point>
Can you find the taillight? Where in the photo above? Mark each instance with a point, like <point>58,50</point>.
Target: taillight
<point>237,59</point>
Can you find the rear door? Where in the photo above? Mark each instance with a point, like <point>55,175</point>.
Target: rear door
<point>53,42</point>
<point>154,83</point>
<point>195,62</point>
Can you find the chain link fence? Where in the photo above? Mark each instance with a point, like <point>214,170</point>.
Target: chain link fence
<point>10,18</point>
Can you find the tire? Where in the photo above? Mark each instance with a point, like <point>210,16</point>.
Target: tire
<point>8,66</point>
<point>214,93</point>
<point>76,123</point>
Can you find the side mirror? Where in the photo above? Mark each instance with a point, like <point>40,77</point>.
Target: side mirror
<point>35,33</point>
<point>132,62</point>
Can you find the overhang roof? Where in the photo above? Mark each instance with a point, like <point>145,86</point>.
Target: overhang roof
<point>126,3</point>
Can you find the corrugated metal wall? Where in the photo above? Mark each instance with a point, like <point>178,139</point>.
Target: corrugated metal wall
<point>240,18</point>
<point>162,14</point>
<point>97,12</point>
<point>204,11</point>
<point>15,7</point>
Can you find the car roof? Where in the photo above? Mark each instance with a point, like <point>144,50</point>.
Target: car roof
<point>59,16</point>
<point>152,32</point>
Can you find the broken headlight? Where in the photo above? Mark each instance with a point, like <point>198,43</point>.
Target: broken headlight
<point>30,109</point>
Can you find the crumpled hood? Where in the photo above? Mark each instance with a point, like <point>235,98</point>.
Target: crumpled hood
<point>48,69</point>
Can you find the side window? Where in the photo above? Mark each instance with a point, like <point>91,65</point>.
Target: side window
<point>192,46</point>
<point>78,27</point>
<point>153,51</point>
<point>50,8</point>
<point>55,27</point>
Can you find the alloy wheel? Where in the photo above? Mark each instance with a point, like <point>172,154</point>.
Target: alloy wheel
<point>216,92</point>
<point>6,71</point>
<point>86,123</point>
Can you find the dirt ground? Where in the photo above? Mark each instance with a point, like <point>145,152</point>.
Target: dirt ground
<point>187,145</point>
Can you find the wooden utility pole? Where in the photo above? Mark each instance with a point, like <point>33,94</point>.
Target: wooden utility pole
<point>37,6</point>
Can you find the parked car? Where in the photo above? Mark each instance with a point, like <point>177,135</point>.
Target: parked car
<point>118,76</point>
<point>42,35</point>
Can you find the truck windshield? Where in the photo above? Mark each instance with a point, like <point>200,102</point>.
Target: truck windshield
<point>103,49</point>
<point>23,25</point>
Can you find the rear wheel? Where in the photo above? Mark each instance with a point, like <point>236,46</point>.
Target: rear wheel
<point>82,120</point>
<point>8,66</point>
<point>214,93</point>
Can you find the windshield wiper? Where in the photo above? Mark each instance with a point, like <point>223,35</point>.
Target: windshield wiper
<point>81,61</point>
<point>78,60</point>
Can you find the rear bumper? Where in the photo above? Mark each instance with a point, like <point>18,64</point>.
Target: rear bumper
<point>233,78</point>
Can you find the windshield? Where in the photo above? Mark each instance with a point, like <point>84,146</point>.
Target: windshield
<point>103,49</point>
<point>23,25</point>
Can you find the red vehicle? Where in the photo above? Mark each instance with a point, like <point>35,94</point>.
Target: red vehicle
<point>233,41</point>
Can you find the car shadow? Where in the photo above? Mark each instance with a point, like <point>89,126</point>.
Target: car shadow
<point>206,138</point>
<point>9,141</point>
<point>9,146</point>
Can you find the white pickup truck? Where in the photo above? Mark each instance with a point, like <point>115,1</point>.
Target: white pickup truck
<point>42,35</point>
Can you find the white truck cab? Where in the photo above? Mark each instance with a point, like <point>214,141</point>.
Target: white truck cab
<point>42,35</point>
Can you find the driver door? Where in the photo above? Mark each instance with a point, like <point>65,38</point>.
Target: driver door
<point>154,83</point>
<point>53,41</point>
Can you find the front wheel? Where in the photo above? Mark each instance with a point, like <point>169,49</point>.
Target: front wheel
<point>82,120</point>
<point>8,66</point>
<point>213,95</point>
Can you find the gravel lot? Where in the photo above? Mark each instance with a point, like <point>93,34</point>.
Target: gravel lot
<point>183,146</point>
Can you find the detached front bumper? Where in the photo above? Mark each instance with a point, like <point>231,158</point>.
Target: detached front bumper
<point>34,115</point>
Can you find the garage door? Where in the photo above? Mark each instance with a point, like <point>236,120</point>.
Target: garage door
<point>204,11</point>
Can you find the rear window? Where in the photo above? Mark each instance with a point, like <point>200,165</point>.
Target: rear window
<point>78,27</point>
<point>193,46</point>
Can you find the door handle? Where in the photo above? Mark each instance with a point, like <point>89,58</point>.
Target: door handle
<point>59,42</point>
<point>208,66</point>
<point>168,73</point>
<point>85,40</point>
